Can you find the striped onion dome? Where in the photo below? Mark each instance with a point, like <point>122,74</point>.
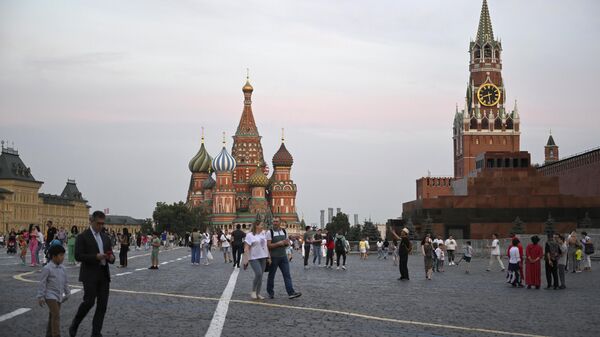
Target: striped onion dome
<point>223,162</point>
<point>258,179</point>
<point>209,183</point>
<point>200,163</point>
<point>282,157</point>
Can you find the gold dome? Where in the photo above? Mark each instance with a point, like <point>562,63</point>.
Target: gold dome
<point>247,87</point>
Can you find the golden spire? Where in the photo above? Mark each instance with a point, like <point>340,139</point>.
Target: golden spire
<point>202,135</point>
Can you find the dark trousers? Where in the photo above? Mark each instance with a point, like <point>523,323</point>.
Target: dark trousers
<point>306,253</point>
<point>283,264</point>
<point>340,253</point>
<point>450,256</point>
<point>237,251</point>
<point>93,292</point>
<point>329,258</point>
<point>552,274</point>
<point>123,255</point>
<point>403,266</point>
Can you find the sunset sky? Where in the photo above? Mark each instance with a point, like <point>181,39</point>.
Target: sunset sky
<point>114,93</point>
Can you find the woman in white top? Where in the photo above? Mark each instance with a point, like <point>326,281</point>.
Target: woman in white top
<point>257,254</point>
<point>205,247</point>
<point>225,239</point>
<point>514,259</point>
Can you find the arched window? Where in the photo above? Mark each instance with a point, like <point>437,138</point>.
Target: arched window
<point>485,124</point>
<point>509,124</point>
<point>498,124</point>
<point>497,54</point>
<point>477,52</point>
<point>487,51</point>
<point>473,123</point>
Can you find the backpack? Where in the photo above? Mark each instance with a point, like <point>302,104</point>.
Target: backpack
<point>589,248</point>
<point>339,244</point>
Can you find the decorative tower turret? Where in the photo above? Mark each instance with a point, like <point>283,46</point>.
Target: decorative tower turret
<point>258,183</point>
<point>199,166</point>
<point>282,187</point>
<point>550,150</point>
<point>223,194</point>
<point>486,124</point>
<point>247,151</point>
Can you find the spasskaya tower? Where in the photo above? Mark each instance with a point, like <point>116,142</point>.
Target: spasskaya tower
<point>484,125</point>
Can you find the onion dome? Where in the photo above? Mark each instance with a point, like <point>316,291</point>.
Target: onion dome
<point>200,163</point>
<point>223,162</point>
<point>209,183</point>
<point>258,179</point>
<point>282,157</point>
<point>247,87</point>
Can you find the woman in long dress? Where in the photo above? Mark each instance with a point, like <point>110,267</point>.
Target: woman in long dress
<point>427,251</point>
<point>533,271</point>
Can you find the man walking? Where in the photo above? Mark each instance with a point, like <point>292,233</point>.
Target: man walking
<point>93,249</point>
<point>308,239</point>
<point>278,241</point>
<point>317,242</point>
<point>237,245</point>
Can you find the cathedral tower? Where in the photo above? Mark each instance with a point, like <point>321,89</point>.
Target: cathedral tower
<point>282,187</point>
<point>199,165</point>
<point>223,194</point>
<point>484,124</point>
<point>247,151</point>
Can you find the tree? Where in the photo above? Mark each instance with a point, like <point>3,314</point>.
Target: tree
<point>147,226</point>
<point>427,226</point>
<point>339,222</point>
<point>586,222</point>
<point>370,231</point>
<point>549,228</point>
<point>517,226</point>
<point>178,218</point>
<point>354,233</point>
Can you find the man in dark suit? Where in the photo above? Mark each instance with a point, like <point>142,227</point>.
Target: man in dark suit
<point>94,250</point>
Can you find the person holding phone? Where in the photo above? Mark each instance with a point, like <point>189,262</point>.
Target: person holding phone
<point>93,249</point>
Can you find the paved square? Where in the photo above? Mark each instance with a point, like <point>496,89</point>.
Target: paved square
<point>366,300</point>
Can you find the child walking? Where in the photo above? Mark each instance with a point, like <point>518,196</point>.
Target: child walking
<point>441,257</point>
<point>53,284</point>
<point>155,249</point>
<point>468,255</point>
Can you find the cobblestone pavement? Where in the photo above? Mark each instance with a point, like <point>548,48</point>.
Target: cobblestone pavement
<point>366,300</point>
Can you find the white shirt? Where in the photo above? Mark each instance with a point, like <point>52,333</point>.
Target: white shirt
<point>440,254</point>
<point>514,256</point>
<point>379,244</point>
<point>99,243</point>
<point>224,242</point>
<point>450,244</point>
<point>495,247</point>
<point>438,241</point>
<point>258,245</point>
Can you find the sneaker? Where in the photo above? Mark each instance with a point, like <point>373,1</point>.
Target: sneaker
<point>260,297</point>
<point>344,267</point>
<point>338,268</point>
<point>294,295</point>
<point>253,295</point>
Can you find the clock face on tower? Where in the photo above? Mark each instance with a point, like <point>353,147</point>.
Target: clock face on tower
<point>488,94</point>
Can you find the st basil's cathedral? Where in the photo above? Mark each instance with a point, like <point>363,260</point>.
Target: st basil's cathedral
<point>234,188</point>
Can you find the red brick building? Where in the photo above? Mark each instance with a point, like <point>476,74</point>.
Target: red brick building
<point>495,187</point>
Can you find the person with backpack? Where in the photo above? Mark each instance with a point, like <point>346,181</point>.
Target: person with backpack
<point>277,242</point>
<point>588,251</point>
<point>341,247</point>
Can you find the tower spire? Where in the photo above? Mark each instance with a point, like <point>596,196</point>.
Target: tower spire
<point>202,135</point>
<point>282,135</point>
<point>247,126</point>
<point>485,33</point>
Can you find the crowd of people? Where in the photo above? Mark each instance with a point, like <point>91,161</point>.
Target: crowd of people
<point>267,250</point>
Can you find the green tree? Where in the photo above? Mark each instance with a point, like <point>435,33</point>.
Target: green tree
<point>178,217</point>
<point>354,233</point>
<point>147,226</point>
<point>338,223</point>
<point>370,231</point>
<point>428,225</point>
<point>517,226</point>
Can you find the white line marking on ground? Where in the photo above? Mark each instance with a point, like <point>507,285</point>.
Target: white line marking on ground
<point>179,259</point>
<point>218,320</point>
<point>164,262</point>
<point>140,269</point>
<point>13,314</point>
<point>75,291</point>
<point>125,273</point>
